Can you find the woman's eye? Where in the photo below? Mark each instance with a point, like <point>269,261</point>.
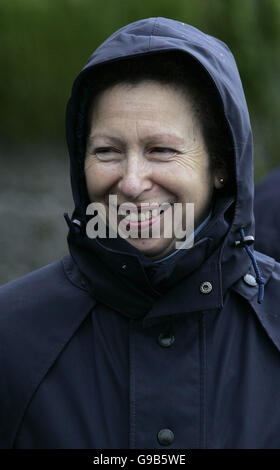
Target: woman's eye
<point>162,150</point>
<point>106,152</point>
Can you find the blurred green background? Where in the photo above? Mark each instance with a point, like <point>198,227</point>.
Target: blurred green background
<point>44,43</point>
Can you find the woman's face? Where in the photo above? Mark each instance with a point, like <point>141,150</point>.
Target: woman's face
<point>145,146</point>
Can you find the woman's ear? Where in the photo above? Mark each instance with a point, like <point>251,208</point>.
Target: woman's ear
<point>219,181</point>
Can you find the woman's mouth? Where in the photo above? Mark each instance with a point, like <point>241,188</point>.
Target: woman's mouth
<point>144,218</point>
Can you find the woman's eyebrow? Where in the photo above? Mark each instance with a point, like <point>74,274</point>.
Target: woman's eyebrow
<point>92,138</point>
<point>164,137</point>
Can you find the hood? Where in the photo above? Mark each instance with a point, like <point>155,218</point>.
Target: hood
<point>163,34</point>
<point>155,35</point>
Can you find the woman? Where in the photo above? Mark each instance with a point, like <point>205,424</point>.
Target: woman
<point>136,342</point>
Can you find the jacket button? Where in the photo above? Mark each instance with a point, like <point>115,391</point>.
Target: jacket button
<point>165,437</point>
<point>165,340</point>
<point>206,287</point>
<point>250,280</point>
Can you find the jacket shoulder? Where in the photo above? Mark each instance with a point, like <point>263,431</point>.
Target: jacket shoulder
<point>39,313</point>
<point>49,283</point>
<point>266,262</point>
<point>270,270</point>
<point>268,311</point>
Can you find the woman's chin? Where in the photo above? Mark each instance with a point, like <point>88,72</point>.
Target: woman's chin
<point>153,248</point>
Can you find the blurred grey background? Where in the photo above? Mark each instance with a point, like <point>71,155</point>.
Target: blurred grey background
<point>44,44</point>
<point>34,193</point>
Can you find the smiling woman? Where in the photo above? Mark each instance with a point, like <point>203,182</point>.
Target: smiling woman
<point>132,161</point>
<point>133,342</point>
<point>151,139</point>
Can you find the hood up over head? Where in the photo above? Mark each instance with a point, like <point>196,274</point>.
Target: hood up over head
<point>225,239</point>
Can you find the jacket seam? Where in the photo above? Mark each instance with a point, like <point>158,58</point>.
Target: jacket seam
<point>132,365</point>
<point>67,274</point>
<point>56,352</point>
<point>202,353</point>
<point>154,30</point>
<point>265,326</point>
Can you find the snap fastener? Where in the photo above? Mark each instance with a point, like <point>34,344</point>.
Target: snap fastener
<point>165,340</point>
<point>124,267</point>
<point>250,280</point>
<point>165,437</point>
<point>206,287</point>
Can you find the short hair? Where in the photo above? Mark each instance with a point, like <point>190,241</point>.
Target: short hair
<point>184,72</point>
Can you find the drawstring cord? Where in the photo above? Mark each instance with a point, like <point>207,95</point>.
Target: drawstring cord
<point>243,243</point>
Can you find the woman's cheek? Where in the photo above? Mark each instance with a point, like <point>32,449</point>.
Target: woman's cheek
<point>100,183</point>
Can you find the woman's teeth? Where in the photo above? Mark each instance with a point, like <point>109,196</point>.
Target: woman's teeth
<point>141,216</point>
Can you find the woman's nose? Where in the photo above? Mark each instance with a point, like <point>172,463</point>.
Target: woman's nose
<point>135,177</point>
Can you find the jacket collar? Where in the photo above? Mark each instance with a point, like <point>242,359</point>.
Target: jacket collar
<point>124,279</point>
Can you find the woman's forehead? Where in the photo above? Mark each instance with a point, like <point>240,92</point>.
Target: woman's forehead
<point>146,105</point>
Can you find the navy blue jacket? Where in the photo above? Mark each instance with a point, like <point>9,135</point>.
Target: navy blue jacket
<point>266,208</point>
<point>105,349</point>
